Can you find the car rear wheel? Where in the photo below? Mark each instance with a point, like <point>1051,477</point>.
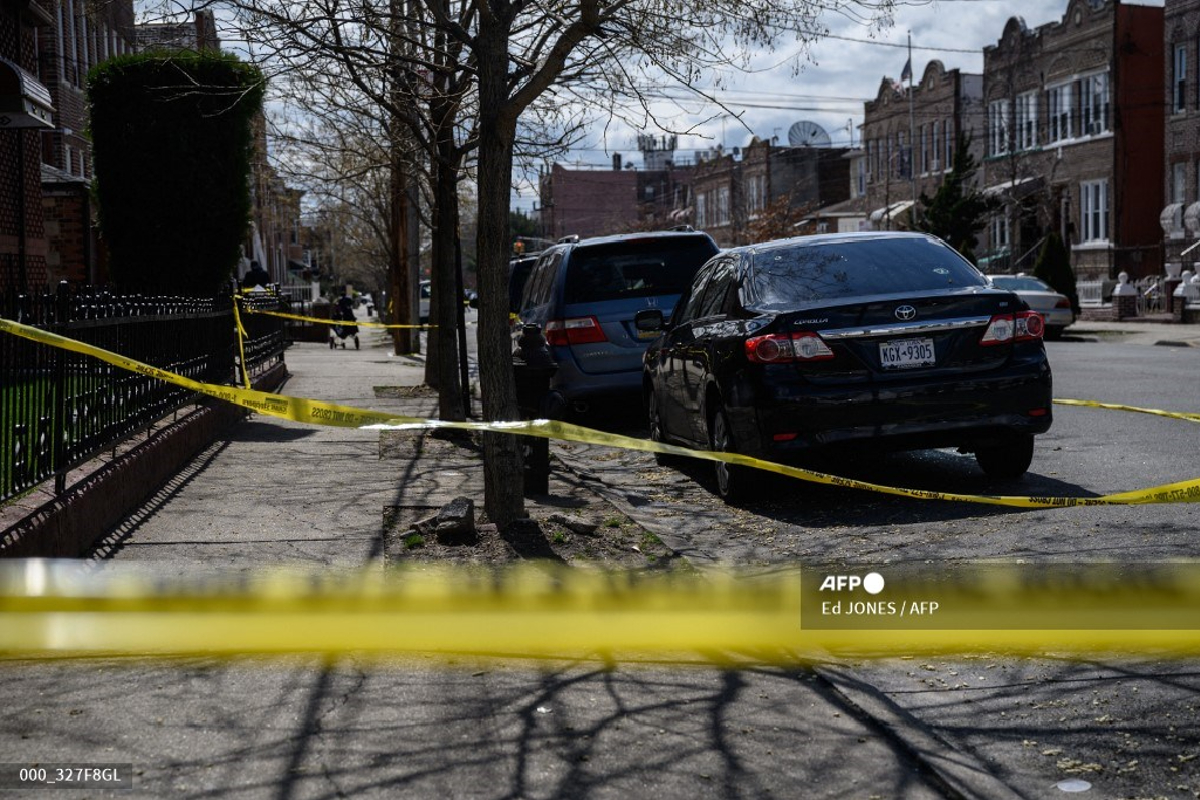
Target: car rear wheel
<point>733,482</point>
<point>654,419</point>
<point>1007,461</point>
<point>1054,332</point>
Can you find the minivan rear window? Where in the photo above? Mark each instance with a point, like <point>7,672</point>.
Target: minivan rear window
<point>635,268</point>
<point>813,273</point>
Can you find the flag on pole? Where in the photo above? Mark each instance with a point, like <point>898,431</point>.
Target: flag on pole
<point>906,73</point>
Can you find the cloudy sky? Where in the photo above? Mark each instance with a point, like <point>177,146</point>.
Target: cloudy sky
<point>833,82</point>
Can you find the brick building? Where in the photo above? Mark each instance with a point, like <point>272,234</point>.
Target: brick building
<point>596,202</point>
<point>1180,217</point>
<point>908,139</point>
<point>26,109</point>
<point>587,202</point>
<point>1074,138</point>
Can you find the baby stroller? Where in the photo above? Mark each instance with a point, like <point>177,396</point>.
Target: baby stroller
<point>343,327</point>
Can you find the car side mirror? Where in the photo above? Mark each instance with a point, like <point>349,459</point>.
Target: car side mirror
<point>649,320</point>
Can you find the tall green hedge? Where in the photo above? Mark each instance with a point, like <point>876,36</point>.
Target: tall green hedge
<point>172,145</point>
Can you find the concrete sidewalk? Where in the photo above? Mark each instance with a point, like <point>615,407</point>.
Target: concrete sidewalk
<point>274,493</point>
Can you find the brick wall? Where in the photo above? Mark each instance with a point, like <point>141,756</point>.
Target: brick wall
<point>20,180</point>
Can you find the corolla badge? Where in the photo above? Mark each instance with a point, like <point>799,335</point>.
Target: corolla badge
<point>905,313</point>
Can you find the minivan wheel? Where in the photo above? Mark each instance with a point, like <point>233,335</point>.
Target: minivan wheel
<point>1007,461</point>
<point>733,482</point>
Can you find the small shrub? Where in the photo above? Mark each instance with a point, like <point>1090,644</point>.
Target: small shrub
<point>414,540</point>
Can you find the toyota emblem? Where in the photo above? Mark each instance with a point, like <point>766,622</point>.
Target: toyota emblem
<point>905,313</point>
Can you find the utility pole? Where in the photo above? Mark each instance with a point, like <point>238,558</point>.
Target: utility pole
<point>912,139</point>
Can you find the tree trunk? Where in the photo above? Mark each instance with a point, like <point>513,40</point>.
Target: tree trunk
<point>503,478</point>
<point>445,278</point>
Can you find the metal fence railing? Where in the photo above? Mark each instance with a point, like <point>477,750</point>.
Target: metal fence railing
<point>58,409</point>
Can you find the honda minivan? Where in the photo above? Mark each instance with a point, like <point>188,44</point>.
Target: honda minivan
<point>584,295</point>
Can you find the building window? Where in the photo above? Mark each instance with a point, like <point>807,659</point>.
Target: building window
<point>723,206</point>
<point>1179,182</point>
<point>934,148</point>
<point>1093,98</point>
<point>948,139</point>
<point>924,150</point>
<point>1179,78</point>
<point>1027,120</point>
<point>701,209</point>
<point>861,187</point>
<point>1000,233</point>
<point>1094,195</point>
<point>1059,107</point>
<point>999,113</point>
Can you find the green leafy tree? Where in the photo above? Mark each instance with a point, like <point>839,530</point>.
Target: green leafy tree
<point>1053,265</point>
<point>958,211</point>
<point>172,143</point>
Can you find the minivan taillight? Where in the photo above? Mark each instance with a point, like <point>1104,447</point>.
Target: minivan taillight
<point>778,348</point>
<point>578,330</point>
<point>1024,326</point>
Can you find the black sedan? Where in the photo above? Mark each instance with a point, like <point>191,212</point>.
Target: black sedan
<point>820,343</point>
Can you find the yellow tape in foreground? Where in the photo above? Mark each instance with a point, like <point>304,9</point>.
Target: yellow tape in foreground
<point>320,321</point>
<point>51,608</point>
<point>319,413</point>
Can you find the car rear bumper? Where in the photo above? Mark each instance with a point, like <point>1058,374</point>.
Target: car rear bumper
<point>963,411</point>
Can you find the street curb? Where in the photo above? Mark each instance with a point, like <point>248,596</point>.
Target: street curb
<point>962,774</point>
<point>67,525</point>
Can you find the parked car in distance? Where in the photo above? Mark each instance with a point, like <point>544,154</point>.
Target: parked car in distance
<point>1054,307</point>
<point>424,293</point>
<point>584,294</point>
<point>847,341</point>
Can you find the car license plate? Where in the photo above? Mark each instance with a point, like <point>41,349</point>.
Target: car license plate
<point>904,353</point>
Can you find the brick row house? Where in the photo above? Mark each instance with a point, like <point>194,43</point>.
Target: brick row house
<point>1180,217</point>
<point>719,192</point>
<point>733,192</point>
<point>1075,139</point>
<point>908,140</point>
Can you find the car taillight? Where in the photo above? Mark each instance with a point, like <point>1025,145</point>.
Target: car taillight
<point>1064,303</point>
<point>578,330</point>
<point>1024,326</point>
<point>782,349</point>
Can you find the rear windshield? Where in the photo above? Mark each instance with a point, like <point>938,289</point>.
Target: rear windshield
<point>1019,283</point>
<point>813,273</point>
<point>635,268</point>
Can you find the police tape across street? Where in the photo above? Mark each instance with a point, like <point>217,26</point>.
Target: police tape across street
<point>316,412</point>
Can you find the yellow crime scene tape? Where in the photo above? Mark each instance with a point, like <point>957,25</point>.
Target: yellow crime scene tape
<point>51,609</point>
<point>326,321</point>
<point>787,617</point>
<point>316,412</point>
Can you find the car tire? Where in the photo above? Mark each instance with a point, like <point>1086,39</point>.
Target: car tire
<point>1007,461</point>
<point>654,420</point>
<point>733,482</point>
<point>1054,332</point>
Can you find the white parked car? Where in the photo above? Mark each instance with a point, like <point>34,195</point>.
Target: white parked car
<point>423,301</point>
<point>1054,307</point>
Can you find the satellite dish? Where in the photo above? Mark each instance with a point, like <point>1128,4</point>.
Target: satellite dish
<point>807,133</point>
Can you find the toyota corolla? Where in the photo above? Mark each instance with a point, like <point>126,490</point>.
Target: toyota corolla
<point>818,343</point>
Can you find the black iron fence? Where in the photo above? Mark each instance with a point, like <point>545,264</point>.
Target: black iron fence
<point>59,409</point>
